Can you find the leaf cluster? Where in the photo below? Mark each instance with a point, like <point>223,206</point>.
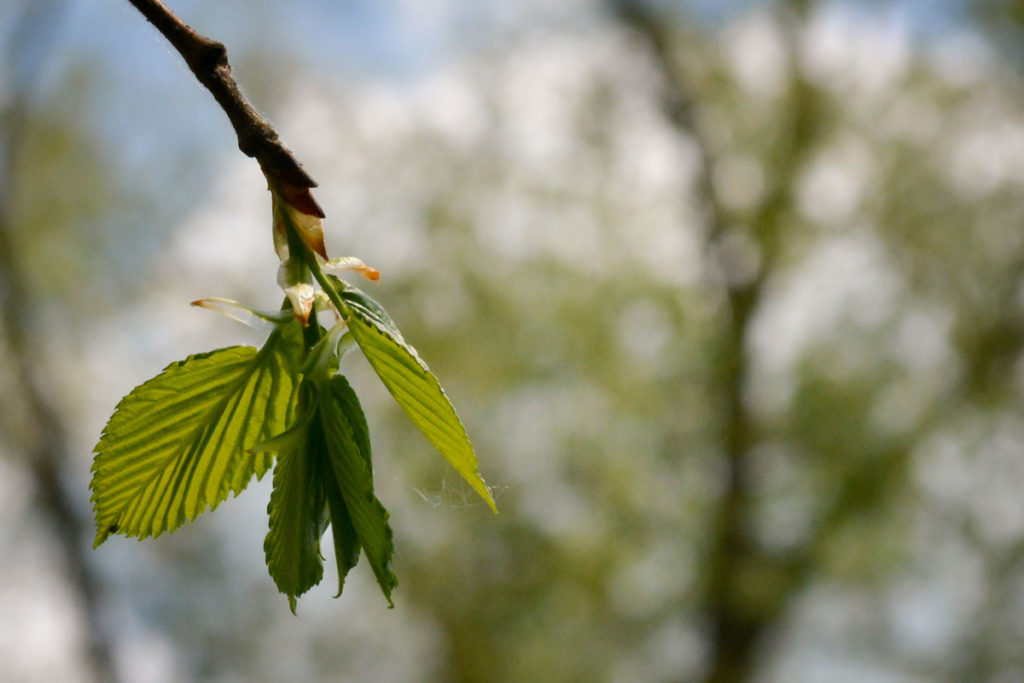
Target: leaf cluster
<point>178,444</point>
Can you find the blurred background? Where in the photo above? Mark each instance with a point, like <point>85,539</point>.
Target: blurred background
<point>729,295</point>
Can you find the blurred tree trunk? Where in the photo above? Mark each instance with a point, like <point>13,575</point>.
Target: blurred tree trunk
<point>735,625</point>
<point>40,433</point>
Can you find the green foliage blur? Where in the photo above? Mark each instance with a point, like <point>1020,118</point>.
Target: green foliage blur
<point>746,382</point>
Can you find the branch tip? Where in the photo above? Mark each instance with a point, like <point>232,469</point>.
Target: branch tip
<point>208,61</point>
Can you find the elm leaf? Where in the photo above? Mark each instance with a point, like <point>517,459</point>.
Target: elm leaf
<point>296,511</point>
<point>178,444</point>
<point>348,451</point>
<point>411,383</point>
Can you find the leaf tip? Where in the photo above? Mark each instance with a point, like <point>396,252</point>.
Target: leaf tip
<point>351,263</point>
<point>489,499</point>
<point>103,532</point>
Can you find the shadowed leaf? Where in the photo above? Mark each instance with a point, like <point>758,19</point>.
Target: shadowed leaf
<point>348,449</point>
<point>296,511</point>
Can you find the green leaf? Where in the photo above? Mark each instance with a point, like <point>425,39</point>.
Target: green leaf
<point>177,444</point>
<point>346,540</point>
<point>297,513</point>
<point>347,401</point>
<point>348,450</point>
<point>367,307</point>
<point>411,383</point>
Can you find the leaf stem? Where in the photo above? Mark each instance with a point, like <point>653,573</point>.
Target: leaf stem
<point>329,289</point>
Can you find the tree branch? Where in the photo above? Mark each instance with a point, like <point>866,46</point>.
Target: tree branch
<point>208,60</point>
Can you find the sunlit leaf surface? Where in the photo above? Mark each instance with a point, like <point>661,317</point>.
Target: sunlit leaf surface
<point>412,384</point>
<point>177,445</point>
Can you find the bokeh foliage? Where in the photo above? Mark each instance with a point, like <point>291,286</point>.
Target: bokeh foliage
<point>571,259</point>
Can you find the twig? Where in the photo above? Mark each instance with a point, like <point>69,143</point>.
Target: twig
<point>208,60</point>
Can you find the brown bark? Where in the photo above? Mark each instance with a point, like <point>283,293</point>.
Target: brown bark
<point>208,60</point>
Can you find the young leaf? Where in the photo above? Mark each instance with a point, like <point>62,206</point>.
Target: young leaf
<point>177,444</point>
<point>344,264</point>
<point>411,383</point>
<point>296,511</point>
<point>242,313</point>
<point>346,540</point>
<point>367,307</point>
<point>348,450</point>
